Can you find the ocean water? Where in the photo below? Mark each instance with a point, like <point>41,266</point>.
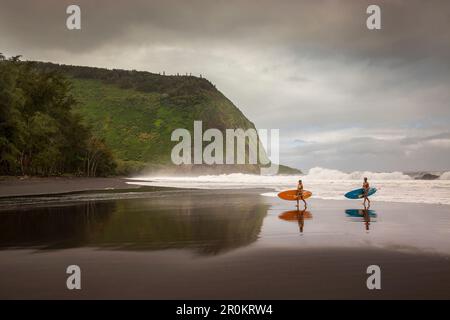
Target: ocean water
<point>324,183</point>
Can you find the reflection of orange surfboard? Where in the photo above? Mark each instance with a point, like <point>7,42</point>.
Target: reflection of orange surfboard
<point>292,195</point>
<point>294,215</point>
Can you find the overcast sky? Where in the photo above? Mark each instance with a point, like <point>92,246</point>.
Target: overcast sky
<point>343,96</point>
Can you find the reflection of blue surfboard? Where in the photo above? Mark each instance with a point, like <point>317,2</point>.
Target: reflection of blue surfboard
<point>358,193</point>
<point>358,213</point>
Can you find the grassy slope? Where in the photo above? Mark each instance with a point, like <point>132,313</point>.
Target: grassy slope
<point>137,125</point>
<point>132,123</point>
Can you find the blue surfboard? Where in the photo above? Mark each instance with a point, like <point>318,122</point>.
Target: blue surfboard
<point>358,213</point>
<point>358,193</point>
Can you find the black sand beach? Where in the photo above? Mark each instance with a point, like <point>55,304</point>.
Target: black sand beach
<point>224,244</point>
<point>12,186</point>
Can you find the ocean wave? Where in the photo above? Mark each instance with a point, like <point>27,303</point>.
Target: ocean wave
<point>319,173</point>
<point>324,183</point>
<point>445,176</point>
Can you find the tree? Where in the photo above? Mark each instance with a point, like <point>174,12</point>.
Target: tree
<point>39,132</point>
<point>10,100</point>
<point>99,159</point>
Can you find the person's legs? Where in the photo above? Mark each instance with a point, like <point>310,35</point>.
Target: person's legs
<point>365,197</point>
<point>299,196</point>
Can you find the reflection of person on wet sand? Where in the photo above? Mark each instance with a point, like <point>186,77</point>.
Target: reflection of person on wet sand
<point>363,215</point>
<point>301,220</point>
<point>296,215</point>
<point>366,216</point>
<point>300,193</point>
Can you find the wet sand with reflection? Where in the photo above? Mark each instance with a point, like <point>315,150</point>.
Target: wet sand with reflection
<point>224,245</point>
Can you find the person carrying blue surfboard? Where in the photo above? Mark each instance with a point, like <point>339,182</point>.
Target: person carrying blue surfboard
<point>366,189</point>
<point>365,192</point>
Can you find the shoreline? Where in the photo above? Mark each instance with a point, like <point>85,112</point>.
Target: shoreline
<point>11,187</point>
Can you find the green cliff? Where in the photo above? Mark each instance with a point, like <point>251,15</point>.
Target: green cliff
<point>135,112</point>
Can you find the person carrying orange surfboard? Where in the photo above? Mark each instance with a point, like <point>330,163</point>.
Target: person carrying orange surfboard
<point>300,193</point>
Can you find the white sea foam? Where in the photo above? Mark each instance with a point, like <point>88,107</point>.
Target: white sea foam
<point>445,176</point>
<point>330,174</point>
<point>324,183</point>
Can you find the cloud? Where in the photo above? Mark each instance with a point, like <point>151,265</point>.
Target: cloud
<point>357,150</point>
<point>310,28</point>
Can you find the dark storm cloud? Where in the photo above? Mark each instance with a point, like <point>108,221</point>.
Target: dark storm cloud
<point>412,29</point>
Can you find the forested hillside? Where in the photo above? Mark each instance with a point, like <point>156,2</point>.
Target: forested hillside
<point>39,133</point>
<point>135,112</point>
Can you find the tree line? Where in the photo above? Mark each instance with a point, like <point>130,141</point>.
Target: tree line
<point>177,91</point>
<point>131,79</point>
<point>39,132</point>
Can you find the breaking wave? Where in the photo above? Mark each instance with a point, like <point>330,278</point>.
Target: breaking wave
<point>324,183</point>
<point>445,176</point>
<point>318,173</point>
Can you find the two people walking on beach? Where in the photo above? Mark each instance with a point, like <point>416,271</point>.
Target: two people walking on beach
<point>365,187</point>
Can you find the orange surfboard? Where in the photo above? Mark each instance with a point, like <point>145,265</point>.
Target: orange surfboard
<point>291,195</point>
